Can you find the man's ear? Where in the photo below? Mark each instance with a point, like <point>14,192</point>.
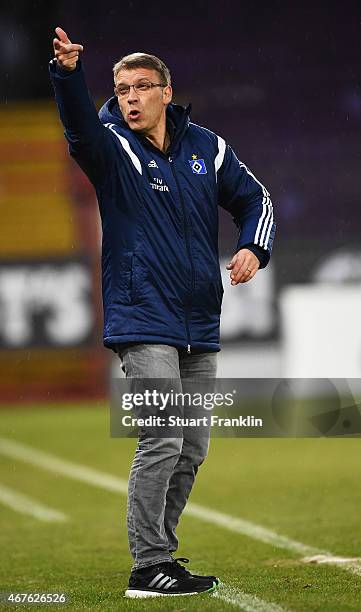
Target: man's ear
<point>167,94</point>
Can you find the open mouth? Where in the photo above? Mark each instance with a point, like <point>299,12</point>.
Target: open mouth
<point>134,114</point>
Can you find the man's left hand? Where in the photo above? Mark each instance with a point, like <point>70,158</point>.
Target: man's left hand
<point>243,266</point>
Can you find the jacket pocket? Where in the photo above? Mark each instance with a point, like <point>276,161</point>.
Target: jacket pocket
<point>122,285</point>
<point>138,278</point>
<point>209,292</point>
<point>218,290</point>
<point>128,280</point>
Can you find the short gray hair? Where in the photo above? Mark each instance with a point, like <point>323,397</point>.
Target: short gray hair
<point>143,60</point>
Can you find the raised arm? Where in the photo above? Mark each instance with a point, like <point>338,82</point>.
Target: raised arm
<point>88,140</point>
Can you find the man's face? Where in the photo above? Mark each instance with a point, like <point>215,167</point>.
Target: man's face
<point>142,110</point>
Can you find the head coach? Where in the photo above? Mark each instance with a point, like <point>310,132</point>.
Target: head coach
<point>159,179</point>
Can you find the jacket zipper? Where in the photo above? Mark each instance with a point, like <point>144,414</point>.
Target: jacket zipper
<point>187,308</point>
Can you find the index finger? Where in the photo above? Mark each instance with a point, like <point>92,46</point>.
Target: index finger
<point>62,35</point>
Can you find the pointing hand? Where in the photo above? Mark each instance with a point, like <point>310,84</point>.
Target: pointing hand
<point>66,53</point>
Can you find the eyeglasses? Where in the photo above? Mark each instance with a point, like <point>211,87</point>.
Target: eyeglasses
<point>142,87</point>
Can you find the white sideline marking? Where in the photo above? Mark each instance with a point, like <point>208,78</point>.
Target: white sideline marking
<point>26,505</point>
<point>257,532</point>
<point>353,564</point>
<point>48,462</point>
<point>262,534</point>
<point>244,601</point>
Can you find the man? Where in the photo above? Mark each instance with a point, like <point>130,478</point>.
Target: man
<point>159,180</point>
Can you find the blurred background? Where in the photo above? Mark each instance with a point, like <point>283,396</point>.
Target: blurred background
<point>281,83</point>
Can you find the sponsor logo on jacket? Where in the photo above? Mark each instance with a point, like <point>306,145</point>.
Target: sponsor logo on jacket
<point>158,184</point>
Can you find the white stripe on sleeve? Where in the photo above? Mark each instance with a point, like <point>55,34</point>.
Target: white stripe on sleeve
<point>268,232</point>
<point>266,219</point>
<point>220,155</point>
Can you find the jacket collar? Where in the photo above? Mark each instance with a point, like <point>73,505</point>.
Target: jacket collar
<point>177,121</point>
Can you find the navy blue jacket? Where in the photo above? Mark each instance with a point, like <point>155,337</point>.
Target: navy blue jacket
<point>160,267</point>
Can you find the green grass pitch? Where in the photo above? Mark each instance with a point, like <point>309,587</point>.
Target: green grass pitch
<point>306,489</point>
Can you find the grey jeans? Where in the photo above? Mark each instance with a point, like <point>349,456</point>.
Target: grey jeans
<point>163,469</point>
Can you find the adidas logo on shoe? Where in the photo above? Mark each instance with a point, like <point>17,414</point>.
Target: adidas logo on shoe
<point>162,581</point>
<point>167,579</point>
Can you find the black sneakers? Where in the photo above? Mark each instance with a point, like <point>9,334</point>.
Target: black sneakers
<point>187,573</point>
<point>167,579</point>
